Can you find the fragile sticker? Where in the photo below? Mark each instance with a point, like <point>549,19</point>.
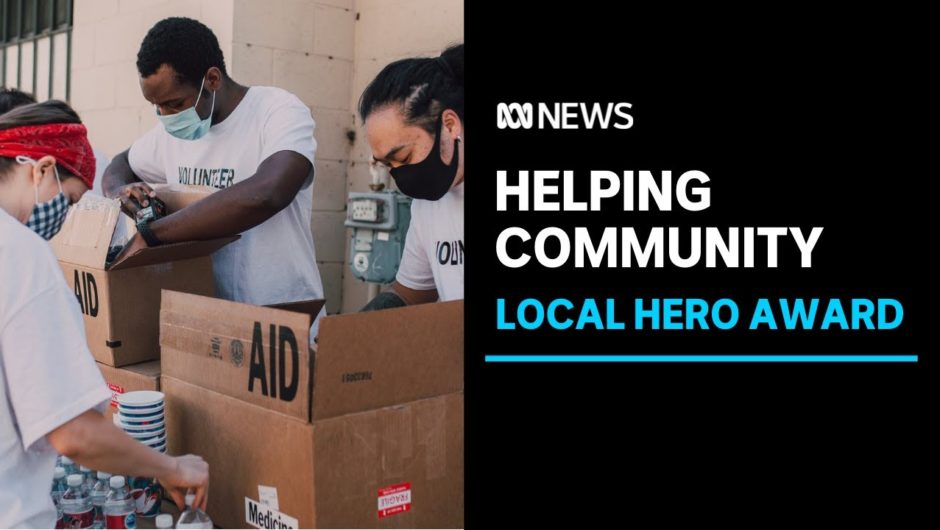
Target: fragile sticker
<point>115,392</point>
<point>394,499</point>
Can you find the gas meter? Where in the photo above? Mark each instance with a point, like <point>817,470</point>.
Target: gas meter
<point>379,222</point>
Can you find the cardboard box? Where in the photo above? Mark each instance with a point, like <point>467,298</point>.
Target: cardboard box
<point>121,302</point>
<point>368,434</point>
<point>326,474</point>
<point>143,376</point>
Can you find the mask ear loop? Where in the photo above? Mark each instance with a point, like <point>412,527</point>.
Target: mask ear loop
<point>201,86</point>
<point>23,159</point>
<point>199,95</point>
<point>211,110</point>
<point>55,168</point>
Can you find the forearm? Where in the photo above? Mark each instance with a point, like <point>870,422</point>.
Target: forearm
<point>117,175</point>
<point>225,213</point>
<point>241,207</point>
<point>414,296</point>
<point>96,443</point>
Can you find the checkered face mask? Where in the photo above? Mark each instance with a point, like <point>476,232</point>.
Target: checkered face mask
<point>47,217</point>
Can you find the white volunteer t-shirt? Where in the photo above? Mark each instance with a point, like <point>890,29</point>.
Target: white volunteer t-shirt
<point>433,257</point>
<point>47,374</point>
<point>274,262</point>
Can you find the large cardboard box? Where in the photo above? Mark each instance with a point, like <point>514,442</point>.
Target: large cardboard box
<point>121,302</point>
<point>143,376</point>
<point>365,432</point>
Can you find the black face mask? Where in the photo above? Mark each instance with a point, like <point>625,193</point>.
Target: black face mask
<point>431,178</point>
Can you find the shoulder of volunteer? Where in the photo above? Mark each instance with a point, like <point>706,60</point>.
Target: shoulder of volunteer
<point>419,210</point>
<point>272,99</point>
<point>274,96</point>
<point>20,246</point>
<point>28,258</point>
<point>423,210</point>
<point>150,138</point>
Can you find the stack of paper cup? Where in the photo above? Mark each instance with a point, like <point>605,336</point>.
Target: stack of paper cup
<point>140,414</point>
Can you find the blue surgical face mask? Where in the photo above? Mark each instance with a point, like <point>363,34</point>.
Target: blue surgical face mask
<point>187,125</point>
<point>47,217</point>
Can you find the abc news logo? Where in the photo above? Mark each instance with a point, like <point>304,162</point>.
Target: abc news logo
<point>563,116</point>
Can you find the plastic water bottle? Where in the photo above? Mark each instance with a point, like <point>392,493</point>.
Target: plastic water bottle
<point>99,494</point>
<point>193,517</point>
<point>69,466</point>
<point>164,521</point>
<point>88,479</point>
<point>58,485</point>
<point>77,511</point>
<point>119,508</point>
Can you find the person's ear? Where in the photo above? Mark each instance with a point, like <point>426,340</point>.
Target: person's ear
<point>214,79</point>
<point>41,168</point>
<point>452,124</point>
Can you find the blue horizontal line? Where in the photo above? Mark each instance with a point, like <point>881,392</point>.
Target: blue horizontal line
<point>701,358</point>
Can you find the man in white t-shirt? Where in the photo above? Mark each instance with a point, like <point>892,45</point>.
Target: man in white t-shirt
<point>254,144</point>
<point>413,113</point>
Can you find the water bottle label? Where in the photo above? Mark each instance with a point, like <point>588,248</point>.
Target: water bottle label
<point>147,494</point>
<point>121,521</point>
<point>78,520</point>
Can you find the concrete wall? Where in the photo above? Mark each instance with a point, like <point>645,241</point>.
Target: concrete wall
<point>325,51</point>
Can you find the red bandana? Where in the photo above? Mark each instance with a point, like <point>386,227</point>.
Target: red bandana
<point>67,142</point>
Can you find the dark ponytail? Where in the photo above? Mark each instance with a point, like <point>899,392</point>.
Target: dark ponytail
<point>424,87</point>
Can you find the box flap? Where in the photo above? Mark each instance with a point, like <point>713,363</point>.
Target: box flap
<point>370,360</point>
<point>86,233</point>
<point>259,355</point>
<point>172,252</point>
